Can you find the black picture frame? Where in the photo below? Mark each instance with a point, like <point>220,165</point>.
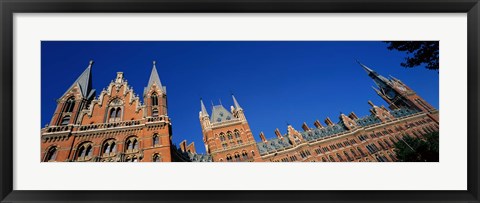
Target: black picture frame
<point>10,7</point>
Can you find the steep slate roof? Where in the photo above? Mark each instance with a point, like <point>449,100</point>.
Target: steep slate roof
<point>220,114</point>
<point>368,120</point>
<point>273,145</point>
<point>154,78</point>
<point>194,157</point>
<point>324,132</point>
<point>276,144</point>
<point>401,112</point>
<point>84,81</point>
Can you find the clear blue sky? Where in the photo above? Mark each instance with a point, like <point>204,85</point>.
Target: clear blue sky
<point>274,81</point>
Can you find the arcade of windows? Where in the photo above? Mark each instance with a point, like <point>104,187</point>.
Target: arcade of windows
<point>238,157</point>
<point>230,136</point>
<point>84,151</point>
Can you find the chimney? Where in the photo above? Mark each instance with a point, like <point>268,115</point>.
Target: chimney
<point>183,145</point>
<point>277,132</point>
<point>317,124</point>
<point>328,121</point>
<point>353,116</point>
<point>191,148</point>
<point>385,109</point>
<point>262,136</point>
<point>305,127</point>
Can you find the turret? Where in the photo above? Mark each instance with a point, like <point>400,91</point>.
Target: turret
<point>75,99</point>
<point>155,95</point>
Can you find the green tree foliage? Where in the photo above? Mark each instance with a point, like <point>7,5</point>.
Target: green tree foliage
<point>418,53</point>
<point>418,150</point>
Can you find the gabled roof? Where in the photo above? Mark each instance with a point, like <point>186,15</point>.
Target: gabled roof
<point>84,81</point>
<point>220,114</point>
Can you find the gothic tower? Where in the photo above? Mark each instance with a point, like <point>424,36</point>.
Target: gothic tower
<point>75,99</point>
<point>227,135</point>
<point>398,95</point>
<point>155,95</point>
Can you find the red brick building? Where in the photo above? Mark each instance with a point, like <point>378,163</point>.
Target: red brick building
<point>117,127</point>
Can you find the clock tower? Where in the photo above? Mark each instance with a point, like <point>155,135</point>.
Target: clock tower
<point>398,95</point>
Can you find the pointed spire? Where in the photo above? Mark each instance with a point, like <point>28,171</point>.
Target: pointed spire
<point>154,79</point>
<point>204,110</point>
<point>367,69</point>
<point>237,106</point>
<point>84,81</point>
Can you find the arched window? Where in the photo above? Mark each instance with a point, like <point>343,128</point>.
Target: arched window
<point>51,154</point>
<point>112,113</point>
<point>387,143</point>
<point>89,151</point>
<point>339,157</point>
<point>85,151</point>
<point>222,137</point>
<point>237,133</point>
<point>154,99</point>
<point>113,147</point>
<point>135,144</point>
<point>109,147</point>
<point>156,158</point>
<point>323,159</point>
<point>69,105</point>
<point>331,158</point>
<point>155,113</point>
<point>244,155</point>
<point>391,156</point>
<point>237,157</point>
<point>156,140</point>
<point>81,152</point>
<point>65,120</point>
<point>229,135</point>
<point>118,114</point>
<point>353,152</point>
<point>129,145</point>
<point>106,148</point>
<point>361,152</point>
<point>348,156</point>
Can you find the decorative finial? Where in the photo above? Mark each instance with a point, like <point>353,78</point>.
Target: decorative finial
<point>91,62</point>
<point>154,62</point>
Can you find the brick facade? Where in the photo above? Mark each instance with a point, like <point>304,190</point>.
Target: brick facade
<point>117,127</point>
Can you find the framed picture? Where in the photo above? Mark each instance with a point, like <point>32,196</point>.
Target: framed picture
<point>266,101</point>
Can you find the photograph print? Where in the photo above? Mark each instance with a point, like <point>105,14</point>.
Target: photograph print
<point>239,101</point>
